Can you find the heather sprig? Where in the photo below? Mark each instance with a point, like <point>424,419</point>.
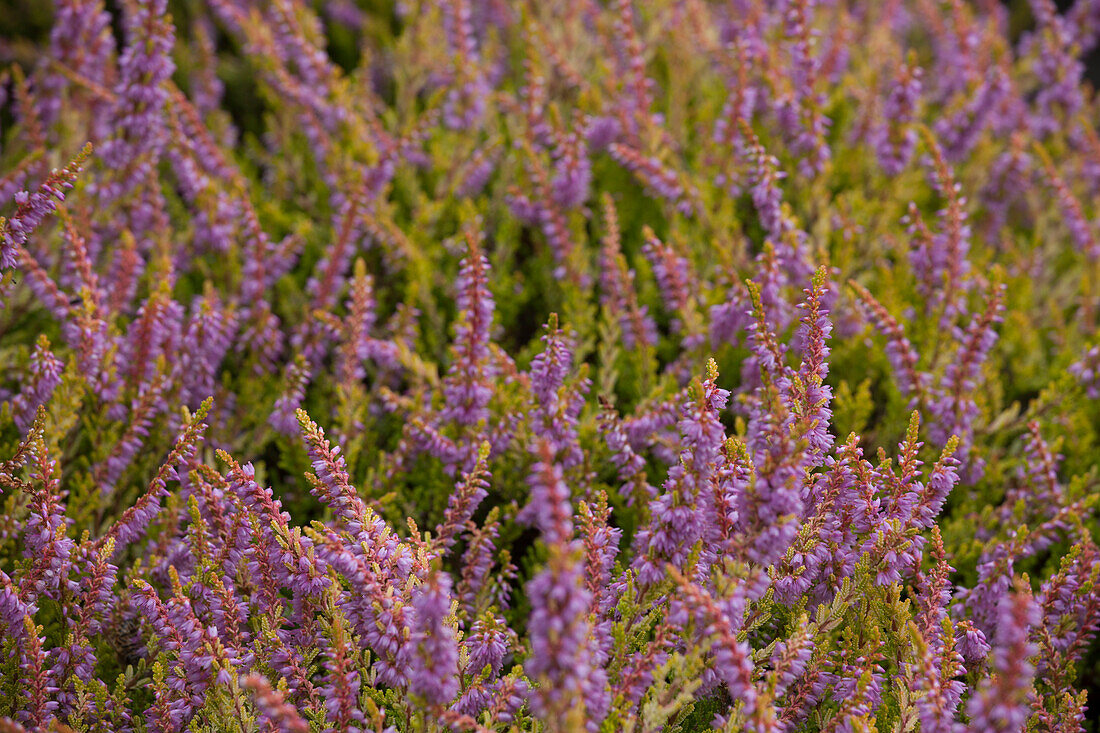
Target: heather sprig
<point>32,208</point>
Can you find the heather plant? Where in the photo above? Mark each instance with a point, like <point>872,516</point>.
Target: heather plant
<point>577,366</point>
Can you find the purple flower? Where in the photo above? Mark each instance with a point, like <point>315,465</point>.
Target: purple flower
<point>903,357</point>
<point>767,196</point>
<point>209,335</point>
<point>1070,603</point>
<point>45,376</point>
<point>672,271</point>
<point>572,173</point>
<point>464,500</point>
<point>960,131</point>
<point>549,508</point>
<point>284,413</point>
<point>564,662</point>
<point>810,393</point>
<point>133,522</point>
<point>44,533</point>
<point>557,405</point>
<point>682,513</point>
<point>1087,371</point>
<point>140,135</point>
<point>600,132</point>
<point>893,139</point>
<point>433,656</point>
<point>1002,702</point>
<point>618,295</point>
<point>486,645</point>
<point>719,621</point>
<point>1080,227</point>
<point>342,682</point>
<point>333,485</point>
<point>272,707</point>
<point>660,180</point>
<point>468,385</point>
<point>32,208</point>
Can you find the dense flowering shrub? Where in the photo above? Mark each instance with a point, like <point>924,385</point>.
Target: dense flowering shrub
<point>455,365</point>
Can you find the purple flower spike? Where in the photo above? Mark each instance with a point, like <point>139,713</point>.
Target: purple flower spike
<point>433,673</point>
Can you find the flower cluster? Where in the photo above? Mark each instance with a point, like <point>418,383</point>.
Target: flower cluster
<point>443,365</point>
